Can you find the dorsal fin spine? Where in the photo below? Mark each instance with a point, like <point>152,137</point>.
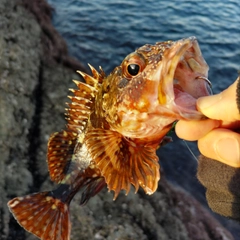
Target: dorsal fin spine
<point>92,81</point>
<point>95,73</point>
<point>84,85</point>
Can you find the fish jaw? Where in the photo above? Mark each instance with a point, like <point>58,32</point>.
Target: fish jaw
<point>173,75</point>
<point>183,78</point>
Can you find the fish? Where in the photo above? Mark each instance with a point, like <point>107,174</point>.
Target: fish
<point>115,124</point>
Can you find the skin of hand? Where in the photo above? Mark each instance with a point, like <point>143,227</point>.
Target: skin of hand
<point>218,136</point>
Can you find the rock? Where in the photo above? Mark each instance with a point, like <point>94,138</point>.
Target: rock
<point>19,70</point>
<point>35,74</point>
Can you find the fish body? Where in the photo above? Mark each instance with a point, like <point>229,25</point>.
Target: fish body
<point>115,123</point>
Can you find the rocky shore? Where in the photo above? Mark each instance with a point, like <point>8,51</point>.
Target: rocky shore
<point>35,74</point>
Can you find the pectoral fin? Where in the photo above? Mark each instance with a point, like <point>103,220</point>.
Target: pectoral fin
<point>122,162</point>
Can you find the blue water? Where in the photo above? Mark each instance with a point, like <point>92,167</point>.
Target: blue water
<point>104,32</point>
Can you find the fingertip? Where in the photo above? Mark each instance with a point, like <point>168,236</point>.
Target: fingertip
<point>221,106</point>
<point>222,145</point>
<point>194,130</point>
<point>180,128</point>
<point>227,150</point>
<point>184,130</point>
<point>204,103</point>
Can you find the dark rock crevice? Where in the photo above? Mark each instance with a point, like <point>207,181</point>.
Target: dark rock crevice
<point>2,230</point>
<point>54,46</point>
<point>150,233</point>
<point>34,136</point>
<point>18,233</point>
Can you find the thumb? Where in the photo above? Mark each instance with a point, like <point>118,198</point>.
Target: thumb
<point>222,106</point>
<point>222,145</point>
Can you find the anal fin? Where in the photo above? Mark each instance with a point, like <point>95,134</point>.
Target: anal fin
<point>92,188</point>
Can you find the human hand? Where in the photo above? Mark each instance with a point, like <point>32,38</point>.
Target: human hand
<point>217,136</point>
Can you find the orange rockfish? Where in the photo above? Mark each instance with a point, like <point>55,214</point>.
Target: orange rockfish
<point>115,124</point>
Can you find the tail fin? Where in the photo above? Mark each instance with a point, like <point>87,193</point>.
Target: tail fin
<point>43,215</point>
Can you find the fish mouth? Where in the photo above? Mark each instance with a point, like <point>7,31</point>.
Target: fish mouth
<point>185,78</point>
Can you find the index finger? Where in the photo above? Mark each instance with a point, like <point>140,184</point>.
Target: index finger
<point>194,130</point>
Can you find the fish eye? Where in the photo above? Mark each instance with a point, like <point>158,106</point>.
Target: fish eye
<point>133,69</point>
<point>133,65</point>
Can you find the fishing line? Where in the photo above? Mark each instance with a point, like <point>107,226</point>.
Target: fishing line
<point>190,150</point>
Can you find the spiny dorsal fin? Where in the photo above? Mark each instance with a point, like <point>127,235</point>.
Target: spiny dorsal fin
<point>80,107</point>
<point>88,79</point>
<point>122,162</point>
<point>98,75</point>
<point>87,91</point>
<point>64,145</point>
<point>82,102</point>
<point>94,80</point>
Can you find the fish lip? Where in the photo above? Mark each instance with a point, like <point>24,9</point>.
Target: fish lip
<point>167,88</point>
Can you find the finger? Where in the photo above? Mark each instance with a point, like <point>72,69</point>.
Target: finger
<point>193,130</point>
<point>222,145</point>
<point>222,106</point>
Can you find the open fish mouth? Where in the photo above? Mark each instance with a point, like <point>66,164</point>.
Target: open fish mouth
<point>185,78</point>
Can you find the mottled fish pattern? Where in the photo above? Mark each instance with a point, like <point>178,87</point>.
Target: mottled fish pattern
<point>115,124</point>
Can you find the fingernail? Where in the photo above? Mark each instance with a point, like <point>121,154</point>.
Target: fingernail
<point>228,150</point>
<point>205,102</point>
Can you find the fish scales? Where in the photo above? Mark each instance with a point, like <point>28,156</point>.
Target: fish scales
<point>115,124</point>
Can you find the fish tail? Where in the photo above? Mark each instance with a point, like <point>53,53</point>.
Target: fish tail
<point>43,215</point>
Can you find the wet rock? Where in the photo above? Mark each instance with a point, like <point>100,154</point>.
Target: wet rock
<point>35,74</point>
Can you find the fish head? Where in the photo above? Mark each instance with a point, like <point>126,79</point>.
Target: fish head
<point>155,86</point>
